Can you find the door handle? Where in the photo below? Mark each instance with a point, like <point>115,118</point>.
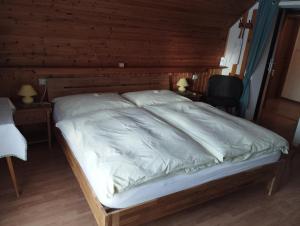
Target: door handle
<point>272,72</point>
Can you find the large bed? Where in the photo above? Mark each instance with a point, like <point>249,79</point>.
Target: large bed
<point>136,161</point>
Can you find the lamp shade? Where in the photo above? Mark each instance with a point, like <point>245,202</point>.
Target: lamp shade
<point>182,82</point>
<point>27,91</point>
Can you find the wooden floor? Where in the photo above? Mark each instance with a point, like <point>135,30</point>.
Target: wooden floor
<point>51,196</point>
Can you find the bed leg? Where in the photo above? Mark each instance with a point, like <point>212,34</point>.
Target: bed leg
<point>271,186</point>
<point>276,181</point>
<point>115,219</point>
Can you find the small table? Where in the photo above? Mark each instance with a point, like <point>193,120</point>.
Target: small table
<point>12,142</point>
<point>194,96</point>
<point>36,113</point>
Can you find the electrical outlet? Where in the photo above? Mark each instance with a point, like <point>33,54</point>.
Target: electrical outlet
<point>121,64</point>
<point>42,81</point>
<point>195,77</point>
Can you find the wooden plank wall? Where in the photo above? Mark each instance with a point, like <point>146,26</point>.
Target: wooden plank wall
<point>100,33</point>
<point>11,79</point>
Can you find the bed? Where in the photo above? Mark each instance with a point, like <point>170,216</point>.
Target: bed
<point>155,198</point>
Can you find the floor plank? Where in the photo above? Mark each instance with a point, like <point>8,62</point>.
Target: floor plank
<point>50,194</point>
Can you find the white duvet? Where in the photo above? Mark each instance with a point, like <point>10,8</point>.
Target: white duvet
<point>127,147</point>
<point>225,136</point>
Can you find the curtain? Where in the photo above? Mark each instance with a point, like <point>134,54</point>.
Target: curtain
<point>266,20</point>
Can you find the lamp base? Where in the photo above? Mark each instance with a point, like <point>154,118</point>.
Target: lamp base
<point>27,100</point>
<point>181,89</point>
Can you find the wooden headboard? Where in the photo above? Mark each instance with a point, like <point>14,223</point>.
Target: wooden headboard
<point>58,87</point>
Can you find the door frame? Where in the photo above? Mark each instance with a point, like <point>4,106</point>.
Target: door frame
<point>269,71</point>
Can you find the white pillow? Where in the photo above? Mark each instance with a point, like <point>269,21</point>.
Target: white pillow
<point>75,105</point>
<point>154,97</point>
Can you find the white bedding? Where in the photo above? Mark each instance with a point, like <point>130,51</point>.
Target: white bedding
<point>12,142</point>
<point>154,97</point>
<point>128,147</point>
<point>132,132</point>
<point>167,185</point>
<point>223,135</point>
<point>75,105</point>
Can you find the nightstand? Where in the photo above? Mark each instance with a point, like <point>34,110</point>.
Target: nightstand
<point>191,95</point>
<point>34,121</point>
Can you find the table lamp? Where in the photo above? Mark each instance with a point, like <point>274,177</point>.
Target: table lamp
<point>182,83</point>
<point>27,92</point>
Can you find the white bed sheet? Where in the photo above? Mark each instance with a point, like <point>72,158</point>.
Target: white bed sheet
<point>166,185</point>
<point>12,142</point>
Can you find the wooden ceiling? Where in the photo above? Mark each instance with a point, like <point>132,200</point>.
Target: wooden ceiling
<point>101,33</point>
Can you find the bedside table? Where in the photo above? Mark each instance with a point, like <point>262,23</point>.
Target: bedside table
<point>34,114</point>
<point>191,95</point>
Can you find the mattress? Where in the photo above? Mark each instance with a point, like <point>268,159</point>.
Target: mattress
<point>167,185</point>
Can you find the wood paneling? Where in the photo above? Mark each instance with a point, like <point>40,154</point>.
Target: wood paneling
<point>11,79</point>
<point>63,38</point>
<point>58,87</point>
<point>101,33</point>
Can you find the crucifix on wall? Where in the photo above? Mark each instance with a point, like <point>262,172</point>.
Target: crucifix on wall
<point>243,25</point>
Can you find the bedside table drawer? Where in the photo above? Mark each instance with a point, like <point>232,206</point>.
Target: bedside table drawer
<point>31,116</point>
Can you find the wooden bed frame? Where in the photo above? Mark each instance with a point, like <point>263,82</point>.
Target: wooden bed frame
<point>166,205</point>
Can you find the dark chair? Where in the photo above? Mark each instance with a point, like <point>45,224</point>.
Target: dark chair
<point>224,91</point>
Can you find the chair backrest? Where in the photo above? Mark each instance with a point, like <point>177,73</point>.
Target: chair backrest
<point>225,86</point>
